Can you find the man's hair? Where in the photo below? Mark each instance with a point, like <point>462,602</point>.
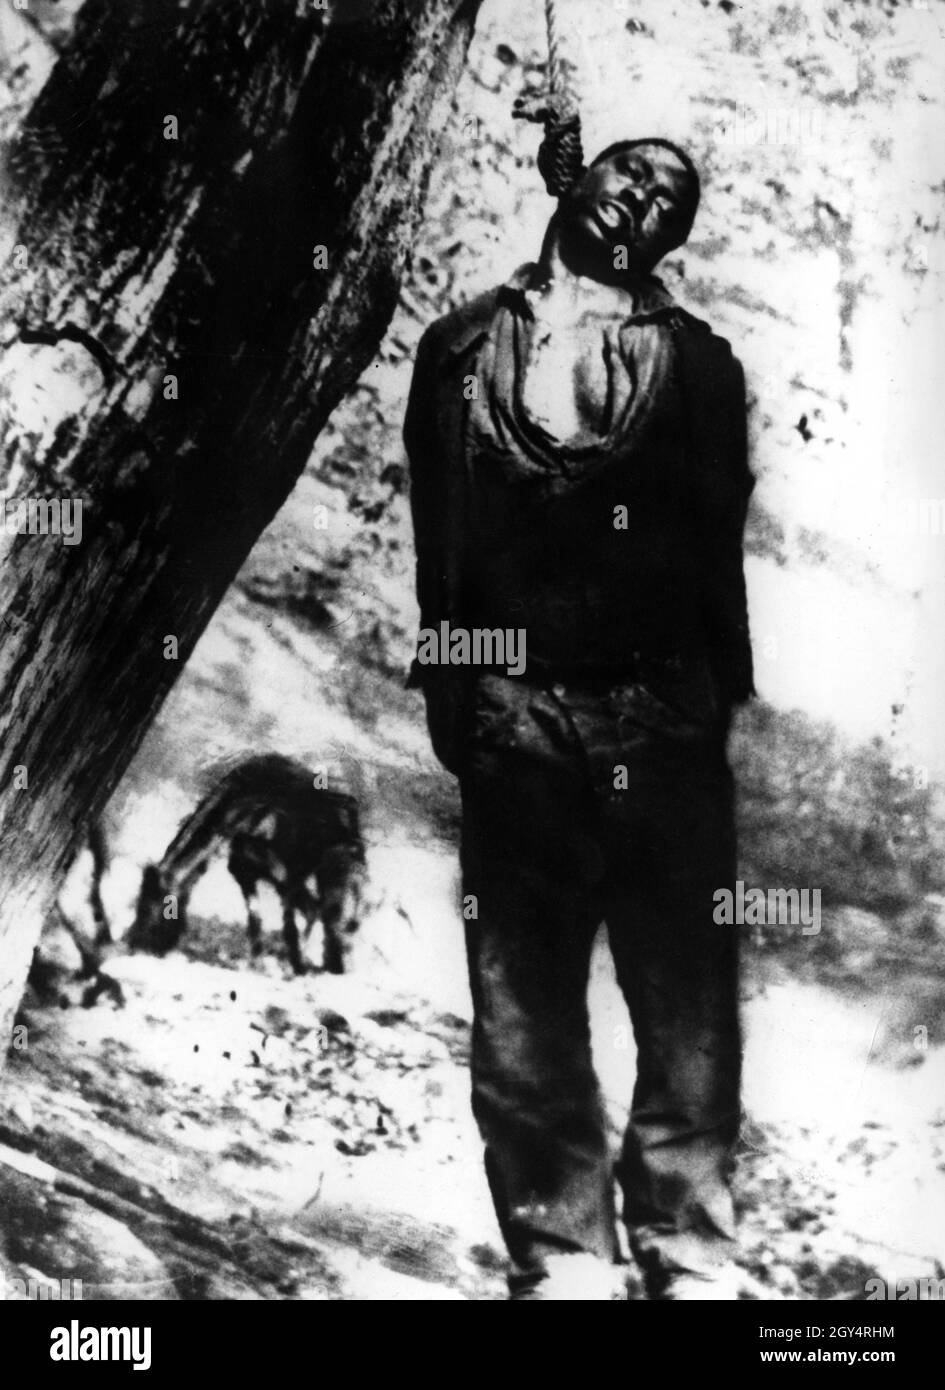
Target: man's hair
<point>681,155</point>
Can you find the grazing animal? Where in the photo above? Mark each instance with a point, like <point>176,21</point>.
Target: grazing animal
<point>281,829</point>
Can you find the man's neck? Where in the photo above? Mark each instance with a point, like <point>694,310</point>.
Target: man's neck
<point>560,291</point>
<point>563,272</point>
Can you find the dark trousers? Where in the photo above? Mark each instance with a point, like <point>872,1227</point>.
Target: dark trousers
<point>551,848</point>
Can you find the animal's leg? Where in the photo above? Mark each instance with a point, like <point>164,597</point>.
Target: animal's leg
<point>246,873</point>
<point>290,931</point>
<point>308,908</point>
<point>153,929</point>
<point>99,850</point>
<point>333,957</point>
<point>253,921</point>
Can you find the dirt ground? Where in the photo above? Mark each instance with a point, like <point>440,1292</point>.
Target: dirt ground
<point>232,1131</point>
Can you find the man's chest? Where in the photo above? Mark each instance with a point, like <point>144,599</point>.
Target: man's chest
<point>567,377</point>
<point>581,377</point>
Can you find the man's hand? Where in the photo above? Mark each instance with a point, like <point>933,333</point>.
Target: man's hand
<point>449,692</point>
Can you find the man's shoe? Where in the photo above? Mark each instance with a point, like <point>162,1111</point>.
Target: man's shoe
<point>578,1278</point>
<point>688,1286</point>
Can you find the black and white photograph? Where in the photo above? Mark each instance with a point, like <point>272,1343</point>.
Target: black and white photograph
<point>472,658</point>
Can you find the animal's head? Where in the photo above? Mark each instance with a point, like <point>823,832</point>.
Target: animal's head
<point>343,880</point>
<point>159,916</point>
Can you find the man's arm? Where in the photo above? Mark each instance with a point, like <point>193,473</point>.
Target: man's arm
<point>732,486</point>
<point>723,483</point>
<point>426,493</point>
<point>435,509</point>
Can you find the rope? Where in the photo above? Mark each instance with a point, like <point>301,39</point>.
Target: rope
<point>558,84</point>
<point>561,154</point>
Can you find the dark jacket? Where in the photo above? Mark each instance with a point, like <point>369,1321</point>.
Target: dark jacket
<point>713,389</point>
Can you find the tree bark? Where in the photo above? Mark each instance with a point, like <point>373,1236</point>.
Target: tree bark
<point>171,343</point>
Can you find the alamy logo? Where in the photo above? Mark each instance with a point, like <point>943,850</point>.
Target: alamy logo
<point>53,1290</point>
<point>75,1343</point>
<point>478,646</point>
<point>43,516</point>
<point>755,907</point>
<point>903,1290</point>
<point>772,125</point>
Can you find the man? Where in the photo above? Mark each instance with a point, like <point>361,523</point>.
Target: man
<point>579,471</point>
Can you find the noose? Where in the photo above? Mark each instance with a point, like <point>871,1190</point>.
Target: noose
<point>561,154</point>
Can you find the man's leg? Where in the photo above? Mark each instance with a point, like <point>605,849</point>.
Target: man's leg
<point>679,973</point>
<point>534,873</point>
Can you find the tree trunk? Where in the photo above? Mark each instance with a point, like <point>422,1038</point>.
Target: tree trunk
<point>172,339</point>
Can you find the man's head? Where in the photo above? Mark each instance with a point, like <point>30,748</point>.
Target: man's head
<point>641,195</point>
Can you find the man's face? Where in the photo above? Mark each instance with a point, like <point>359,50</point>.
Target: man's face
<point>640,198</point>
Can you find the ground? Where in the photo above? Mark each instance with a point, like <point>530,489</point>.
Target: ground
<point>234,1131</point>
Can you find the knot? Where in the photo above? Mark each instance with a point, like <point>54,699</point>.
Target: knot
<point>561,153</point>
